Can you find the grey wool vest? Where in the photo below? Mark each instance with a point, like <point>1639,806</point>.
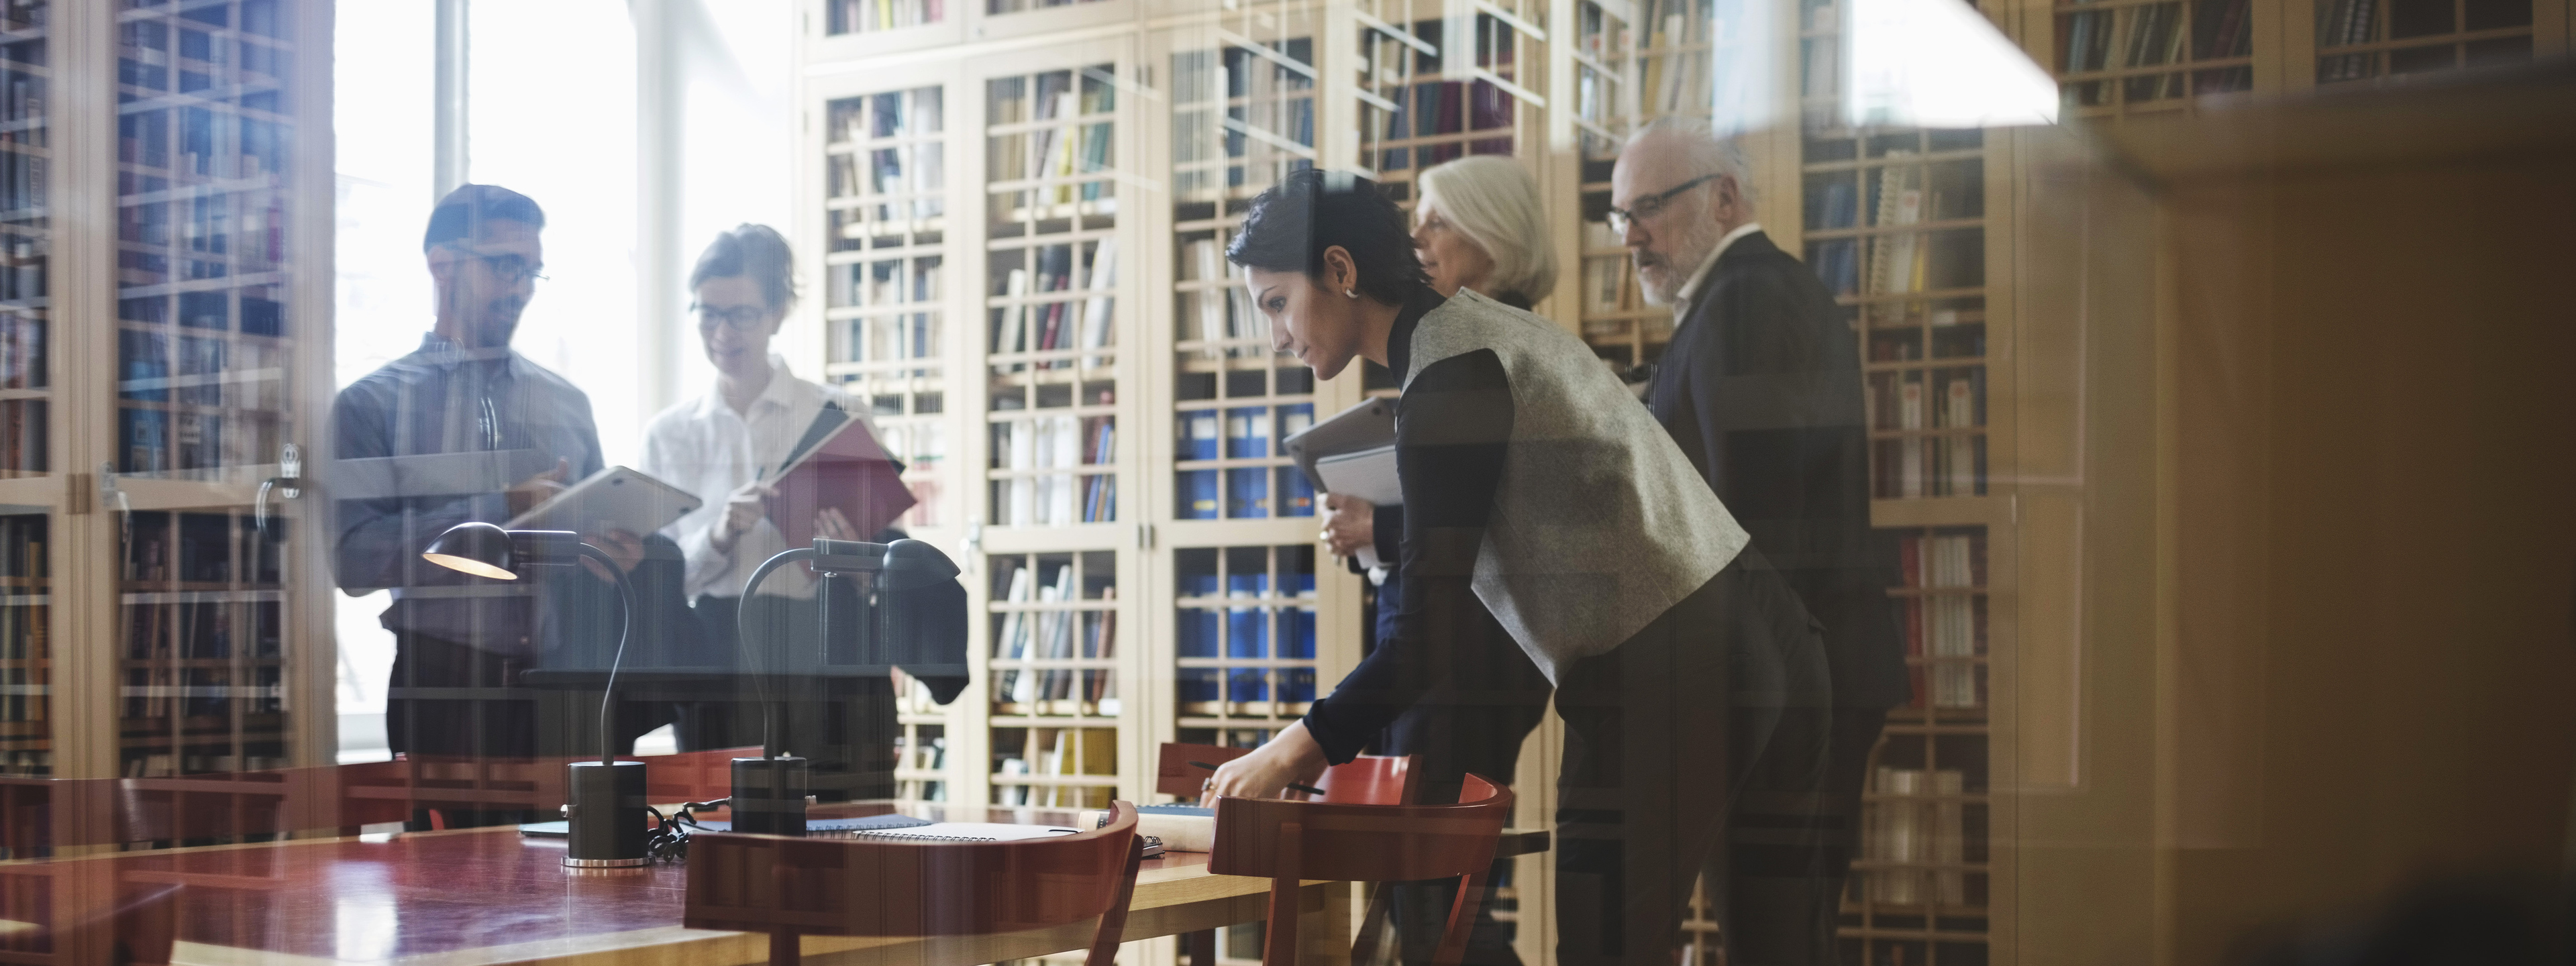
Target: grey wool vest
<point>1600,524</point>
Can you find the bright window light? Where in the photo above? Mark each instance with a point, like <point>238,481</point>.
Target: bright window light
<point>1938,63</point>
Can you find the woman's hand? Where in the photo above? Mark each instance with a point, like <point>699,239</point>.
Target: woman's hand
<point>830,524</point>
<point>743,510</point>
<point>1352,525</point>
<point>1293,756</point>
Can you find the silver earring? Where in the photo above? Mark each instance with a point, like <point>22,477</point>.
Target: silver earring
<point>1351,293</point>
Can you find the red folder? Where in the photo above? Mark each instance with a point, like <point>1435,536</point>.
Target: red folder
<point>848,470</point>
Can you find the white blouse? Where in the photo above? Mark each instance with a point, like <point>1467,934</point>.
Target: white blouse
<point>706,448</point>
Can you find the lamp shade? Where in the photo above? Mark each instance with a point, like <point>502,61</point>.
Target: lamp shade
<point>481,549</point>
<point>912,563</point>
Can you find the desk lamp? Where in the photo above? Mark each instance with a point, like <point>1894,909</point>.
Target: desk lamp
<point>606,797</point>
<point>769,791</point>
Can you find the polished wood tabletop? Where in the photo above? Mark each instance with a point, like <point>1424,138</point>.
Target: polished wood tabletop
<point>491,896</point>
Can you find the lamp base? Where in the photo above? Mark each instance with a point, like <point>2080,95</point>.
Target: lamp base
<point>605,809</point>
<point>769,795</point>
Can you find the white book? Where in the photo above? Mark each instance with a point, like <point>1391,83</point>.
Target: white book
<point>1006,638</point>
<point>1023,456</point>
<point>1067,456</point>
<point>1096,311</point>
<point>1895,831</point>
<point>1042,487</point>
<point>1208,265</point>
<point>1013,336</point>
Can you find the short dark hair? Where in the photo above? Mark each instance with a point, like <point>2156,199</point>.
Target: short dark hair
<point>1291,224</point>
<point>462,213</point>
<point>756,251</point>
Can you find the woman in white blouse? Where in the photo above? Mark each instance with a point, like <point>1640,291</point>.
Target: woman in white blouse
<point>726,445</point>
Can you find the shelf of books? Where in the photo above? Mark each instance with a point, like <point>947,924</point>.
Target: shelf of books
<point>1921,886</point>
<point>1055,706</point>
<point>210,380</point>
<point>2119,57</point>
<point>1055,711</point>
<point>1900,226</point>
<point>1418,109</point>
<point>26,621</point>
<point>886,224</point>
<point>1243,115</point>
<point>2362,40</point>
<point>203,661</point>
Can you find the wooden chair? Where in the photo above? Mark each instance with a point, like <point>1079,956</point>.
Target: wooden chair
<point>793,887</point>
<point>1286,842</point>
<point>1366,780</point>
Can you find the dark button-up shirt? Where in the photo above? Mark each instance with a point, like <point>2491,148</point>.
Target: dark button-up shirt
<point>444,398</point>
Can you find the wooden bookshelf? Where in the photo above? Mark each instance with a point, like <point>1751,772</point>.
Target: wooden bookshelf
<point>131,451</point>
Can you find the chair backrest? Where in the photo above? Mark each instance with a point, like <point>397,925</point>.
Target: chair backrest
<point>889,887</point>
<point>1366,780</point>
<point>1364,843</point>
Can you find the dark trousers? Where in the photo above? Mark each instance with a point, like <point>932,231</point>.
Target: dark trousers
<point>848,735</point>
<point>452,700</point>
<point>1701,740</point>
<point>1473,723</point>
<point>478,710</point>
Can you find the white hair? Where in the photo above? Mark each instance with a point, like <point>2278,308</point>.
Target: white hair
<point>1703,150</point>
<point>1496,203</point>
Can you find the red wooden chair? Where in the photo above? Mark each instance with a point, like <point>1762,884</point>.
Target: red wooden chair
<point>1366,780</point>
<point>793,887</point>
<point>1286,842</point>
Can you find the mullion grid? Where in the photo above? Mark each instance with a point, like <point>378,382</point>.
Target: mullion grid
<point>1245,643</point>
<point>1242,119</point>
<point>201,614</point>
<point>203,134</point>
<point>1919,887</point>
<point>1412,115</point>
<point>886,276</point>
<point>26,646</point>
<point>921,743</point>
<point>2123,56</point>
<point>1054,691</point>
<point>1915,322</point>
<point>2368,39</point>
<point>1050,277</point>
<point>24,243</point>
<point>1894,223</point>
<point>1617,84</point>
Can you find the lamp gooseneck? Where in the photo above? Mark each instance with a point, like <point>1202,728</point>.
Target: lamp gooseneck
<point>625,626</point>
<point>742,634</point>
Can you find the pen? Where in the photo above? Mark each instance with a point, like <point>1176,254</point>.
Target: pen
<point>1292,786</point>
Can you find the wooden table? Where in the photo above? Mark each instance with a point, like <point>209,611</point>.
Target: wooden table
<point>490,896</point>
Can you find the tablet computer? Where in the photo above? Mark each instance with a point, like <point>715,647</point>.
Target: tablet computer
<point>1366,426</point>
<point>616,498</point>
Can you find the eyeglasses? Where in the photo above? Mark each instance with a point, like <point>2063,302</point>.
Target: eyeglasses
<point>1651,205</point>
<point>740,318</point>
<point>510,269</point>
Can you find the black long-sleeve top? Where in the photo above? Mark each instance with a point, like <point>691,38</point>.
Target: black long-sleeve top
<point>1453,426</point>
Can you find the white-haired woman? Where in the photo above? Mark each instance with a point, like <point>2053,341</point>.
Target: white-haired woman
<point>1479,227</point>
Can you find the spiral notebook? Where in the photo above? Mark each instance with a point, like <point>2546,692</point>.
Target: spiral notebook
<point>968,832</point>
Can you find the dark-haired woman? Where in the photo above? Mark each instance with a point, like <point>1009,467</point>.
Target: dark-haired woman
<point>1537,489</point>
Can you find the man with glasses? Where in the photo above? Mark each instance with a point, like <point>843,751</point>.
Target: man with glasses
<point>460,642</point>
<point>1761,388</point>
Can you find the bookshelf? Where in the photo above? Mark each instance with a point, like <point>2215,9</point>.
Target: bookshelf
<point>26,733</point>
<point>2377,40</point>
<point>2118,56</point>
<point>1056,512</point>
<point>1911,230</point>
<point>177,137</point>
<point>213,367</point>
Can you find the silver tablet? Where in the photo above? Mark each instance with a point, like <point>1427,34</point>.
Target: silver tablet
<point>616,498</point>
